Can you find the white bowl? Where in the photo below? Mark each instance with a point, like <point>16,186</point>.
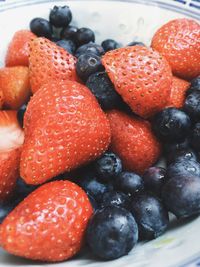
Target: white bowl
<point>124,21</point>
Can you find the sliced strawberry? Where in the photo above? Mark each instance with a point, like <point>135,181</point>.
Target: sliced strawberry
<point>179,41</point>
<point>49,225</point>
<point>18,49</point>
<point>11,139</point>
<point>141,76</point>
<point>133,140</point>
<point>49,62</point>
<point>178,93</point>
<point>14,82</point>
<point>64,128</point>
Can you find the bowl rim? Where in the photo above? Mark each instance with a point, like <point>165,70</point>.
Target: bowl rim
<point>186,7</point>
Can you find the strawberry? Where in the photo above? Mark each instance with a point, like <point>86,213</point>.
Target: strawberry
<point>177,95</point>
<point>64,128</point>
<point>18,49</point>
<point>1,98</point>
<point>11,139</point>
<point>133,141</point>
<point>49,62</point>
<point>14,82</point>
<point>141,76</point>
<point>179,42</point>
<point>49,225</point>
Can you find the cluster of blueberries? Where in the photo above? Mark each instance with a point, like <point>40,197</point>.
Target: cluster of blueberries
<point>127,206</point>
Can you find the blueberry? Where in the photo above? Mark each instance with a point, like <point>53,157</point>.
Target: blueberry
<point>173,147</point>
<point>68,45</point>
<point>90,48</point>
<point>88,64</point>
<point>20,115</point>
<point>23,190</point>
<point>192,105</point>
<point>183,168</point>
<point>60,16</point>
<point>103,89</point>
<point>84,36</point>
<point>194,86</point>
<point>151,216</point>
<point>195,137</point>
<point>115,198</point>
<point>181,195</point>
<point>93,202</point>
<point>129,182</point>
<point>112,232</point>
<point>108,166</point>
<point>154,179</point>
<point>6,208</point>
<point>93,187</point>
<point>109,44</point>
<point>181,155</point>
<point>136,43</point>
<point>41,27</point>
<point>69,32</point>
<point>171,125</point>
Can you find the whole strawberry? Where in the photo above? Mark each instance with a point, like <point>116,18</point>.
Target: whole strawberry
<point>64,128</point>
<point>47,61</point>
<point>49,225</point>
<point>11,140</point>
<point>179,41</point>
<point>178,92</point>
<point>18,49</point>
<point>133,141</point>
<point>141,76</point>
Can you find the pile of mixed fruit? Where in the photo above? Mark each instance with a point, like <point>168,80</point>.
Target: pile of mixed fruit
<point>82,126</point>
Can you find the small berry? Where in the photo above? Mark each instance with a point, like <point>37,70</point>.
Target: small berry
<point>112,232</point>
<point>195,137</point>
<point>194,86</point>
<point>182,155</point>
<point>84,36</point>
<point>90,48</point>
<point>129,183</point>
<point>192,105</point>
<point>115,198</point>
<point>171,124</point>
<point>68,33</point>
<point>108,166</point>
<point>41,27</point>
<point>88,64</point>
<point>60,16</point>
<point>183,168</point>
<point>133,43</point>
<point>68,45</point>
<point>173,147</point>
<point>109,44</point>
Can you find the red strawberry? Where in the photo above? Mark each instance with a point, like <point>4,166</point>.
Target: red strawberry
<point>49,62</point>
<point>18,50</point>
<point>14,82</point>
<point>132,139</point>
<point>49,225</point>
<point>141,76</point>
<point>64,128</point>
<point>11,139</point>
<point>178,90</point>
<point>1,98</point>
<point>179,42</point>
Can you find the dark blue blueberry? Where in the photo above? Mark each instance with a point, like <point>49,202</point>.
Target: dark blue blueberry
<point>69,32</point>
<point>183,168</point>
<point>173,147</point>
<point>181,155</point>
<point>88,64</point>
<point>109,44</point>
<point>154,179</point>
<point>136,43</point>
<point>23,190</point>
<point>129,182</point>
<point>195,137</point>
<point>194,86</point>
<point>112,233</point>
<point>90,48</point>
<point>171,125</point>
<point>115,198</point>
<point>84,36</point>
<point>20,115</point>
<point>93,202</point>
<point>103,89</point>
<point>181,195</point>
<point>60,16</point>
<point>108,166</point>
<point>150,215</point>
<point>41,27</point>
<point>68,45</point>
<point>6,208</point>
<point>192,105</point>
